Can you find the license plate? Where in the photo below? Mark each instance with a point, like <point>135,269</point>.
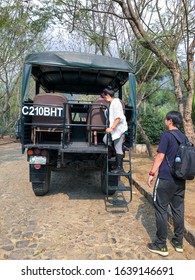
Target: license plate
<point>37,160</point>
<point>44,111</point>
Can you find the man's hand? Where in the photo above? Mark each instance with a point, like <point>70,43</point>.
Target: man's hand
<point>157,162</point>
<point>109,130</point>
<point>150,181</point>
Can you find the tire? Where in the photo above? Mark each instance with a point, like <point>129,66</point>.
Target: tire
<point>112,181</point>
<point>42,188</point>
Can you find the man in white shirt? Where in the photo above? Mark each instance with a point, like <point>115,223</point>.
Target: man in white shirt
<point>117,125</point>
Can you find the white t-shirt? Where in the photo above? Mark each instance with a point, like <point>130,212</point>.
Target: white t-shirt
<point>116,111</point>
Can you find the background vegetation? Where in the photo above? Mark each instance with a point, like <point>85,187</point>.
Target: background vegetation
<point>158,37</point>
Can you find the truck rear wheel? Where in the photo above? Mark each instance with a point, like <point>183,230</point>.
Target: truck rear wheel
<point>41,188</point>
<point>112,180</point>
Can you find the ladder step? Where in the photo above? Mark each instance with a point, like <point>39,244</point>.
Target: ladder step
<point>118,202</point>
<point>120,174</point>
<point>114,160</point>
<point>111,178</point>
<point>118,188</point>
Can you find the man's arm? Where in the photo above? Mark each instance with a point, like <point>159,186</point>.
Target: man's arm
<point>157,162</point>
<point>116,122</point>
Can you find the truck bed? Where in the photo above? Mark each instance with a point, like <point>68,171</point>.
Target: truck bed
<point>72,147</point>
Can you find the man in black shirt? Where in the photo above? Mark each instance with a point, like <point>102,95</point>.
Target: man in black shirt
<point>168,190</point>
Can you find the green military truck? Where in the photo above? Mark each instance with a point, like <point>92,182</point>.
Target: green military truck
<point>63,118</point>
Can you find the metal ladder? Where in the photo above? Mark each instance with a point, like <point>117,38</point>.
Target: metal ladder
<point>116,187</point>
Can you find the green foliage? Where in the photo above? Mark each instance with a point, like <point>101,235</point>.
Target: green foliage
<point>20,30</point>
<point>153,125</point>
<point>153,111</point>
<point>147,66</point>
<point>163,100</point>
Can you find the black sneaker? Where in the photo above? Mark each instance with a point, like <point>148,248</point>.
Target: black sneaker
<point>178,248</point>
<point>118,170</point>
<point>152,247</point>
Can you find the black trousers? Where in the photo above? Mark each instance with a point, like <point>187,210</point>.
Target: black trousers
<point>169,193</point>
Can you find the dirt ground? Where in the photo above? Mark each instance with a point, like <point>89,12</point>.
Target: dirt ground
<point>7,139</point>
<point>74,221</point>
<point>141,165</point>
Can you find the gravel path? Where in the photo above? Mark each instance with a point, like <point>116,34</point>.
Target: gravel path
<point>73,221</point>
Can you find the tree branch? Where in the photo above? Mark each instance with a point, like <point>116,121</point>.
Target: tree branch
<point>103,12</point>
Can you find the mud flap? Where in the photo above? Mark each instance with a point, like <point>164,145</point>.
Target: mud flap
<point>37,175</point>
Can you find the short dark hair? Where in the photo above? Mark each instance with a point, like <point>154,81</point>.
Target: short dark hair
<point>175,116</point>
<point>109,90</point>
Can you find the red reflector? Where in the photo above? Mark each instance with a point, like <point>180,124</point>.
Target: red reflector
<point>43,152</point>
<point>37,151</point>
<point>30,152</point>
<point>37,166</point>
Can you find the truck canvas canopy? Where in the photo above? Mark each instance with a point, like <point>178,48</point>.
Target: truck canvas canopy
<point>70,72</point>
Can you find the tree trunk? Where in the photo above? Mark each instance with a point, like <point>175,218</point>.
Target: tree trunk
<point>170,60</point>
<point>145,138</point>
<point>184,105</point>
